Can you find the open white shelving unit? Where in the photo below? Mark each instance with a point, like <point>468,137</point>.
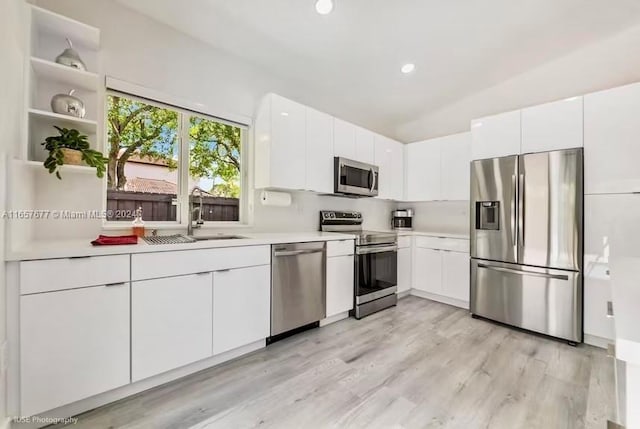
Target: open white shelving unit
<point>46,78</point>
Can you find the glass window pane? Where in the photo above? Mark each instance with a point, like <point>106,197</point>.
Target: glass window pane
<point>215,167</point>
<point>143,144</point>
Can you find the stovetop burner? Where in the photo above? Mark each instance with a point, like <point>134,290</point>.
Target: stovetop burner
<point>351,223</point>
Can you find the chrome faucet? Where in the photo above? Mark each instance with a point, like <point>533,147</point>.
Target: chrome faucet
<point>192,210</point>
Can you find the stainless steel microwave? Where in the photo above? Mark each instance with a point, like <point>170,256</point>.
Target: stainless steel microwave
<point>355,178</point>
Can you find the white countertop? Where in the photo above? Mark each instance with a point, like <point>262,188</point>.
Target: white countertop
<point>78,248</point>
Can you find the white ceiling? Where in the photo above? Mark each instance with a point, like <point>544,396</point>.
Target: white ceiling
<point>353,56</point>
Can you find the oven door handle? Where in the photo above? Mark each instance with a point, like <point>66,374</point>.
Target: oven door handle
<point>365,250</point>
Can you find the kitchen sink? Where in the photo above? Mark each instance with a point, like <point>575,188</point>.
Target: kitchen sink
<point>216,237</point>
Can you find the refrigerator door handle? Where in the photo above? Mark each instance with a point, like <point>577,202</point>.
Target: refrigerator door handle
<point>525,273</point>
<point>513,211</point>
<point>521,208</point>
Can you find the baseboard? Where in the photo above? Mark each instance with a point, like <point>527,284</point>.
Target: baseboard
<point>140,386</point>
<point>594,340</point>
<point>404,294</point>
<point>440,298</point>
<point>333,319</point>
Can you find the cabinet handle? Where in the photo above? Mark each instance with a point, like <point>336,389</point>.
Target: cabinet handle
<point>609,309</point>
<point>224,271</point>
<point>204,273</point>
<point>73,258</point>
<point>115,284</point>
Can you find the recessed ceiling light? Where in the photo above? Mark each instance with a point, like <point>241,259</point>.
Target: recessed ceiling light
<point>408,68</point>
<point>324,7</point>
<point>284,113</point>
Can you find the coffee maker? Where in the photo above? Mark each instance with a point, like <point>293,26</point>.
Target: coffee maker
<point>402,220</point>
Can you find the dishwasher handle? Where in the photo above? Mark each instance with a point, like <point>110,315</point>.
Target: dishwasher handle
<point>279,253</point>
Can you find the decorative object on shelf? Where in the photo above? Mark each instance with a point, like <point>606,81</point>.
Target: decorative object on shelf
<point>137,226</point>
<point>70,58</point>
<point>72,148</point>
<point>67,104</point>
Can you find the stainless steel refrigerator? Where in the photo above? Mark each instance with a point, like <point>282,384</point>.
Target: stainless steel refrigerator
<point>527,241</point>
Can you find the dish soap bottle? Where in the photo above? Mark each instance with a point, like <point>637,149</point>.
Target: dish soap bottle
<point>138,224</point>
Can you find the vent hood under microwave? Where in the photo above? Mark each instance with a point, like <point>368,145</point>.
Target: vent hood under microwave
<point>354,178</point>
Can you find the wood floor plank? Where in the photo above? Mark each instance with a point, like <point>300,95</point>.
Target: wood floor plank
<point>421,364</point>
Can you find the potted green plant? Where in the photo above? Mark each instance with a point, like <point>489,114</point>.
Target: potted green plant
<point>72,148</point>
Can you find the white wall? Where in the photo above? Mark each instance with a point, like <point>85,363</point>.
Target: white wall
<point>12,44</point>
<point>139,50</point>
<point>604,64</point>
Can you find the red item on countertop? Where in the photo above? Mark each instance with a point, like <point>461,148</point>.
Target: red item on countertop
<point>106,240</point>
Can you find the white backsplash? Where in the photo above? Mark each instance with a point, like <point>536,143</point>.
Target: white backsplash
<point>440,216</point>
<point>303,214</point>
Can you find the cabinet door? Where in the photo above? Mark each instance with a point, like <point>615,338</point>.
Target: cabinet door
<point>344,139</point>
<point>390,159</point>
<point>496,136</point>
<point>427,270</point>
<point>339,284</point>
<point>455,167</point>
<point>553,126</point>
<point>319,152</point>
<point>455,275</point>
<point>404,269</point>
<point>73,344</point>
<point>601,214</point>
<point>288,148</point>
<point>423,171</point>
<point>241,307</point>
<point>170,323</point>
<point>364,146</point>
<point>611,149</point>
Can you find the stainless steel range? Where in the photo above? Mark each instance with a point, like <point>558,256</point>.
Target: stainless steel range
<point>376,262</point>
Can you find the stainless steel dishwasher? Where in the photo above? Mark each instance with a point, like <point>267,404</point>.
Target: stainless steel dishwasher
<point>298,286</point>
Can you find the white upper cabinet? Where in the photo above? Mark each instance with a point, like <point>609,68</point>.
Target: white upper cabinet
<point>364,146</point>
<point>611,140</point>
<point>319,152</point>
<point>496,136</point>
<point>280,144</point>
<point>455,159</point>
<point>553,126</point>
<point>423,171</point>
<point>344,139</point>
<point>389,157</point>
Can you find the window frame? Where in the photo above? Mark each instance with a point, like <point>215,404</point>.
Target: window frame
<point>182,197</point>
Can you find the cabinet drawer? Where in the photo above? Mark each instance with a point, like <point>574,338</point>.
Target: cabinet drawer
<point>166,264</point>
<point>404,241</point>
<point>441,243</point>
<point>339,248</point>
<point>69,273</point>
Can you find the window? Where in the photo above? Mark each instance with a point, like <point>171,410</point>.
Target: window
<point>158,155</point>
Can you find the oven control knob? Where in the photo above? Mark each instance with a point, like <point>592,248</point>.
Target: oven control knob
<point>359,215</point>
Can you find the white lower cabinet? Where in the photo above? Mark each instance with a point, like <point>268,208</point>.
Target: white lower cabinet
<point>73,344</point>
<point>241,307</point>
<point>340,273</point>
<point>455,275</point>
<point>404,269</point>
<point>171,323</point>
<point>427,270</point>
<point>441,269</point>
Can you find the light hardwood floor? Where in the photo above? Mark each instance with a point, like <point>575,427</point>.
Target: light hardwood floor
<point>419,365</point>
